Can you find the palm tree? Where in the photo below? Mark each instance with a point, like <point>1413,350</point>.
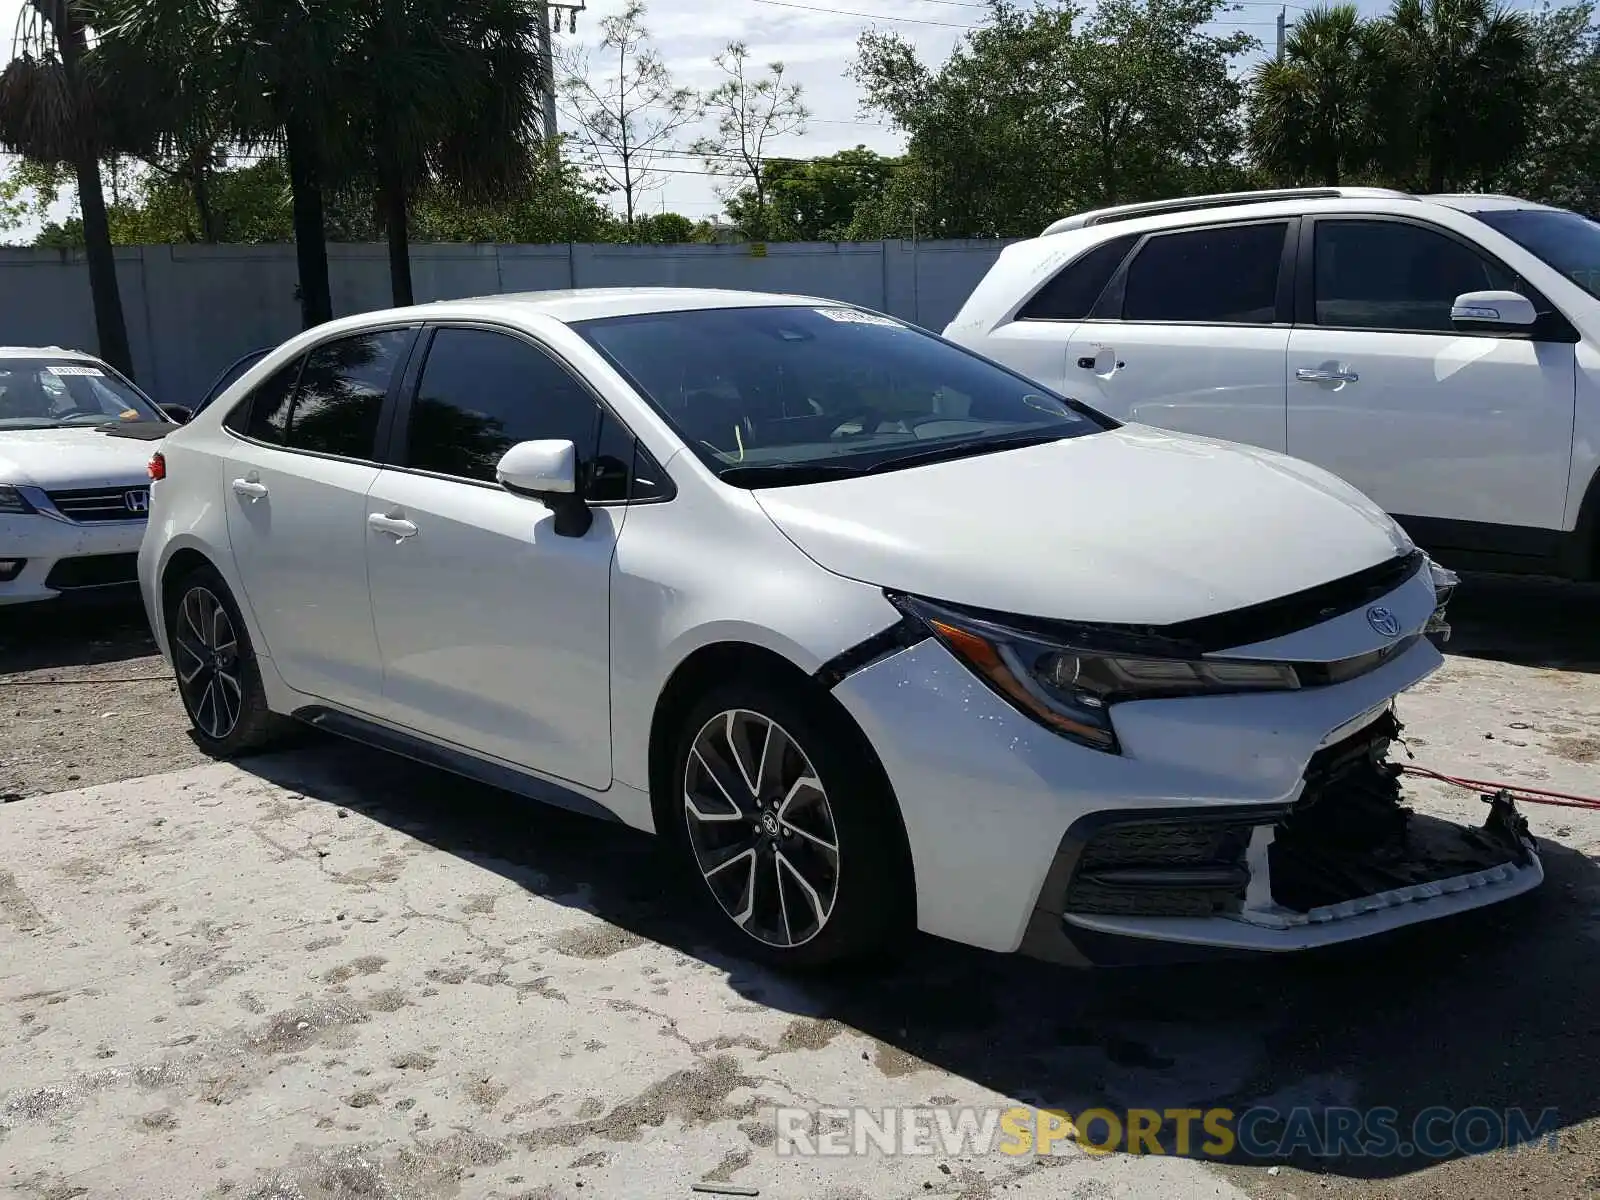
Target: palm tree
<point>270,70</point>
<point>1466,83</point>
<point>1311,113</point>
<point>442,92</point>
<point>51,112</point>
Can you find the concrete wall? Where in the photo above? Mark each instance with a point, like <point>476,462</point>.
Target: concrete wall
<point>191,310</point>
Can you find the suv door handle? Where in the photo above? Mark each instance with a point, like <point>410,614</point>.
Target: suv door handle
<point>249,489</point>
<point>394,526</point>
<point>1317,375</point>
<point>1088,361</point>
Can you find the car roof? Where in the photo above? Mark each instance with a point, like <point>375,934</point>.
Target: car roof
<point>45,352</point>
<point>582,304</point>
<point>1474,203</point>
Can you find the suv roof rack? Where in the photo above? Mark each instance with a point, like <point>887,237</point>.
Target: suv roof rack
<point>1126,212</point>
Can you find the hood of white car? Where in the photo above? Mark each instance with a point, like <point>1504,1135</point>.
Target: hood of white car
<point>1133,525</point>
<point>81,457</point>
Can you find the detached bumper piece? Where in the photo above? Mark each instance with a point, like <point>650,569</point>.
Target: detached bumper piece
<point>1346,847</point>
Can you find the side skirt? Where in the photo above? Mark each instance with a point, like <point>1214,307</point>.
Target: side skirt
<point>457,762</point>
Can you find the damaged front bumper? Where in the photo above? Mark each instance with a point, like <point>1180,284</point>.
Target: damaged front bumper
<point>1346,859</point>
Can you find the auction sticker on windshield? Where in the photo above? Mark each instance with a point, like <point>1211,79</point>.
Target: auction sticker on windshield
<point>850,316</point>
<point>65,369</point>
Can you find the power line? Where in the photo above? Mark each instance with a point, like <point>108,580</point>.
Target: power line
<point>845,12</point>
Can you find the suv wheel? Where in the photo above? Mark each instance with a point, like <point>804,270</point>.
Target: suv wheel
<point>216,668</point>
<point>790,829</point>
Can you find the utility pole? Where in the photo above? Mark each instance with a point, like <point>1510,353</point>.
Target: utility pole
<point>1283,13</point>
<point>547,64</point>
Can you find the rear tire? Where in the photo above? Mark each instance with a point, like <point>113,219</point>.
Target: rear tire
<point>215,666</point>
<point>782,817</point>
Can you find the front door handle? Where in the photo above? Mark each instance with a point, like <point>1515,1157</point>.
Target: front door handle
<point>393,526</point>
<point>1321,375</point>
<point>250,489</point>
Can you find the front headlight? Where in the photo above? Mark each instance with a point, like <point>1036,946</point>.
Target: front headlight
<point>11,500</point>
<point>1070,688</point>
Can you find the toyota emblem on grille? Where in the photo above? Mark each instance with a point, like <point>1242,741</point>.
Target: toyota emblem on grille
<point>1384,621</point>
<point>137,501</point>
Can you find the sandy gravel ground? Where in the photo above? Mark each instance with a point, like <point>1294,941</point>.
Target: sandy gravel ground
<point>326,973</point>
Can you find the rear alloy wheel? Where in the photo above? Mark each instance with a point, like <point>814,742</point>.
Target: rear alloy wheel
<point>206,654</point>
<point>216,668</point>
<point>761,829</point>
<point>787,821</point>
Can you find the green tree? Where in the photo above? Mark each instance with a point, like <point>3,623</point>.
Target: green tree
<point>441,91</point>
<point>1311,114</point>
<point>1045,110</point>
<point>1462,90</point>
<point>52,113</point>
<point>631,115</point>
<point>1560,163</point>
<point>815,199</point>
<point>748,111</point>
<point>663,228</point>
<point>278,69</point>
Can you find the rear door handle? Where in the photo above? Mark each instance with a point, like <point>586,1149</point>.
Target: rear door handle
<point>249,489</point>
<point>394,526</point>
<point>1317,375</point>
<point>1088,361</point>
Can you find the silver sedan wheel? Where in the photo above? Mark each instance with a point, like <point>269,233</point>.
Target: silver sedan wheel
<point>761,828</point>
<point>206,655</point>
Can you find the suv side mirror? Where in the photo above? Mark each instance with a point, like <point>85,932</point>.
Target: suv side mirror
<point>178,413</point>
<point>1493,312</point>
<point>547,471</point>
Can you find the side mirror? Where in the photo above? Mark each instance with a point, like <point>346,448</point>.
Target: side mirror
<point>547,471</point>
<point>1493,312</point>
<point>178,413</point>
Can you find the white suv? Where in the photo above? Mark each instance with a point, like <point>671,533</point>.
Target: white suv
<point>1441,353</point>
<point>875,632</point>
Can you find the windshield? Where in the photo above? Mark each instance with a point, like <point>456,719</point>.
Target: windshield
<point>778,394</point>
<point>50,393</point>
<point>1568,242</point>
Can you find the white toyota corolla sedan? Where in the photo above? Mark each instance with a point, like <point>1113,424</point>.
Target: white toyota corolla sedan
<point>877,634</point>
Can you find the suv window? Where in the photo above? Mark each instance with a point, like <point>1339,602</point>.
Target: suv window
<point>1222,276</point>
<point>1395,276</point>
<point>1071,294</point>
<point>482,392</point>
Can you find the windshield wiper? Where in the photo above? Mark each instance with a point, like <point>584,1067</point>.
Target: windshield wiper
<point>781,474</point>
<point>963,450</point>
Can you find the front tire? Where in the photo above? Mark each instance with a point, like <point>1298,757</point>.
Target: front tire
<point>215,665</point>
<point>786,822</point>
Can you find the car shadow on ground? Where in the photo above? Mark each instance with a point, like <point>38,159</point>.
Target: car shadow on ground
<point>56,636</point>
<point>1493,1009</point>
<point>1531,622</point>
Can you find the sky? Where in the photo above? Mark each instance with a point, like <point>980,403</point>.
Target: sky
<point>815,41</point>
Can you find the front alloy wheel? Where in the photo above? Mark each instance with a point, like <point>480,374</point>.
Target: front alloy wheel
<point>206,654</point>
<point>761,828</point>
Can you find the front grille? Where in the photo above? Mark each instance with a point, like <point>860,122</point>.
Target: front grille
<point>92,571</point>
<point>89,505</point>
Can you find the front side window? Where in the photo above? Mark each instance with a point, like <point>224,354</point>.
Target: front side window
<point>1394,276</point>
<point>482,392</point>
<point>53,393</point>
<point>826,388</point>
<point>1568,242</point>
<point>1222,276</point>
<point>340,397</point>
